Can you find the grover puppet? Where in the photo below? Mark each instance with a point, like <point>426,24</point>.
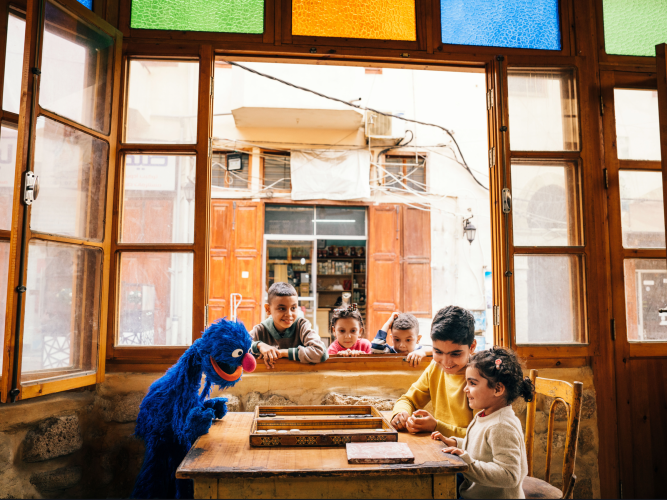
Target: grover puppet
<point>174,413</point>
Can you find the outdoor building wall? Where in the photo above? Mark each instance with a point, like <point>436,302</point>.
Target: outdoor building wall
<point>80,444</point>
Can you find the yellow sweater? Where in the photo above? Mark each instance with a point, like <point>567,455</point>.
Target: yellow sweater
<point>450,403</point>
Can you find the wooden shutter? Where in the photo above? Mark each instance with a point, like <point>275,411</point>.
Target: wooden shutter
<point>416,262</point>
<point>237,230</point>
<point>384,265</point>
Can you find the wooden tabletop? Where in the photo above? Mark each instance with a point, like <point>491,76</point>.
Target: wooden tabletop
<point>226,452</point>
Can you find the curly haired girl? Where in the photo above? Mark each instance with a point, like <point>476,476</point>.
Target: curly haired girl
<point>347,326</point>
<point>493,447</point>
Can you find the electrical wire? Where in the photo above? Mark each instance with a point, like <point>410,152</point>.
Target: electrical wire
<point>364,108</point>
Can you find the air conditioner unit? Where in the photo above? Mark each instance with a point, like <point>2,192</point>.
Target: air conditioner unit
<point>384,127</point>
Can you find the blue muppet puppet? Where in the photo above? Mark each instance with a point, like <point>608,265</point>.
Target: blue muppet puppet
<point>175,413</point>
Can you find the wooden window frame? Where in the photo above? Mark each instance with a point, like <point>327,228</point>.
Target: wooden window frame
<point>382,179</point>
<point>261,170</point>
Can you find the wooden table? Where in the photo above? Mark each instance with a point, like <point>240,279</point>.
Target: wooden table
<point>223,465</point>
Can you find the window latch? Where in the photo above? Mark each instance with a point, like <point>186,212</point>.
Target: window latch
<point>507,201</point>
<point>492,157</point>
<point>496,315</point>
<point>30,187</point>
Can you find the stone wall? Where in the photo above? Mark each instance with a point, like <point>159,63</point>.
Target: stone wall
<point>80,444</point>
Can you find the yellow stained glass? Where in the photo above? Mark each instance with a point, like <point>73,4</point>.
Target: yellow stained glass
<point>373,19</point>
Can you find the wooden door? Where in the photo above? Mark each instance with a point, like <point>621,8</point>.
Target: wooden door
<point>237,229</point>
<point>416,262</point>
<point>384,265</point>
<point>639,278</point>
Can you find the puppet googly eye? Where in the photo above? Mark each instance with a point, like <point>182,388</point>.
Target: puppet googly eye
<point>237,353</point>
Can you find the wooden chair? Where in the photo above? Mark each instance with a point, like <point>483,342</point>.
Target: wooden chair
<point>569,395</point>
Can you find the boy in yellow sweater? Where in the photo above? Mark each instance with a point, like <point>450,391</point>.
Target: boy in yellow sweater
<point>443,381</point>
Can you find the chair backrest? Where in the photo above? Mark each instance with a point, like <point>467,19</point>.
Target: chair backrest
<point>570,396</point>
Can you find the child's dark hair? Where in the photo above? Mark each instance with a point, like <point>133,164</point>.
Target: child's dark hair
<point>405,321</point>
<point>508,372</point>
<point>455,324</point>
<point>281,289</point>
<point>346,312</point>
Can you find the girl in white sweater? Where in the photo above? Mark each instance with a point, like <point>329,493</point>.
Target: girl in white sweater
<point>493,448</point>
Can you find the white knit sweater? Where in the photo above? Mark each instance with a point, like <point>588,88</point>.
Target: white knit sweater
<point>496,456</point>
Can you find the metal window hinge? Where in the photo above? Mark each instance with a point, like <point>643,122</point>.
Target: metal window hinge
<point>613,328</point>
<point>492,157</point>
<point>606,178</point>
<point>212,86</point>
<point>30,187</point>
<point>601,105</point>
<point>210,146</point>
<point>489,99</point>
<point>496,315</point>
<point>206,316</point>
<point>507,201</point>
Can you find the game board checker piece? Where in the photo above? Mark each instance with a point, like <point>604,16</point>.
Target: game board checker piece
<point>295,430</point>
<point>262,431</point>
<point>270,430</point>
<point>379,430</point>
<point>282,431</point>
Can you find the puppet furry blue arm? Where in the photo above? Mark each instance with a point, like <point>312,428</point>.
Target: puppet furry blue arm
<point>175,413</point>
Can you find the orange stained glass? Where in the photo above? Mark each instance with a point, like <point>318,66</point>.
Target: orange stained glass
<point>373,19</point>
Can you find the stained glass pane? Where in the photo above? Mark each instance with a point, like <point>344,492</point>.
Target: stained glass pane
<point>376,19</point>
<point>86,3</point>
<point>523,24</point>
<point>634,27</point>
<point>220,16</point>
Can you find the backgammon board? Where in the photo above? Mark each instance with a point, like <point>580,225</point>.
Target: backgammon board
<point>319,426</point>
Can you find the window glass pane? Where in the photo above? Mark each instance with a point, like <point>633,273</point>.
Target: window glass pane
<point>337,221</point>
<point>220,16</point>
<point>522,24</point>
<point>86,3</point>
<point>634,28</point>
<point>231,171</point>
<point>381,20</point>
<point>11,97</point>
<point>158,199</point>
<point>407,173</point>
<point>72,171</point>
<point>8,140</point>
<point>162,102</point>
<point>155,299</point>
<point>4,273</point>
<point>62,311</point>
<point>646,299</point>
<point>277,172</point>
<point>642,212</point>
<point>548,299</point>
<point>280,219</point>
<point>637,124</point>
<point>75,62</point>
<point>543,110</point>
<point>545,204</point>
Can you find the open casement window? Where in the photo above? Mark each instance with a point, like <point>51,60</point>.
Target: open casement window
<point>538,176</point>
<point>61,241</point>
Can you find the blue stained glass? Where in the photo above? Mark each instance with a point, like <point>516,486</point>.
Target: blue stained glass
<point>521,24</point>
<point>86,3</point>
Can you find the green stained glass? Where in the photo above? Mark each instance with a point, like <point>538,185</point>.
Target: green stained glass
<point>220,16</point>
<point>634,27</point>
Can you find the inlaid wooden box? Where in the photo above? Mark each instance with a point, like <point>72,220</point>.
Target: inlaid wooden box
<point>319,426</point>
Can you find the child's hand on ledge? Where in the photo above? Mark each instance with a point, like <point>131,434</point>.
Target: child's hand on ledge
<point>451,442</point>
<point>270,354</point>
<point>453,451</point>
<point>421,421</point>
<point>415,357</point>
<point>350,352</point>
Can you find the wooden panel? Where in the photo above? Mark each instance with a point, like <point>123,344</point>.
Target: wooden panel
<point>384,284</point>
<point>220,252</point>
<point>416,262</point>
<point>648,403</point>
<point>661,63</point>
<point>220,224</point>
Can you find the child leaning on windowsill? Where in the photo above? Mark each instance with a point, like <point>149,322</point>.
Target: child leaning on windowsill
<point>494,447</point>
<point>283,334</point>
<point>405,335</point>
<point>347,326</point>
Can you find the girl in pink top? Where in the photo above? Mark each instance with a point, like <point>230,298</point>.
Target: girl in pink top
<point>347,326</point>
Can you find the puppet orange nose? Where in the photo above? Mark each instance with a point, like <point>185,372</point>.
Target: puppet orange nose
<point>249,363</point>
